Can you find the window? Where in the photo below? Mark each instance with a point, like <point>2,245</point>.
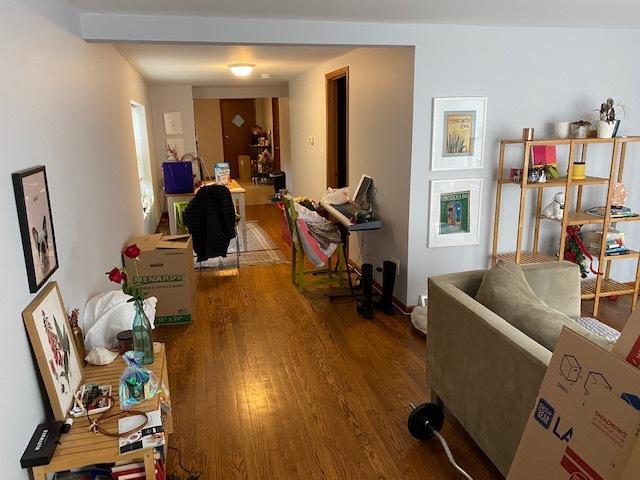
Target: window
<point>139,117</point>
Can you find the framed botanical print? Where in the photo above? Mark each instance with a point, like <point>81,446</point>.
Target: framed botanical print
<point>454,216</point>
<point>458,133</point>
<point>36,225</point>
<point>51,339</point>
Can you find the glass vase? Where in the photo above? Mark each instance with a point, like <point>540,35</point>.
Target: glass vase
<point>142,335</point>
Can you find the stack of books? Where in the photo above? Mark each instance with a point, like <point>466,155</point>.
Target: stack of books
<point>616,212</point>
<point>150,436</point>
<point>615,242</point>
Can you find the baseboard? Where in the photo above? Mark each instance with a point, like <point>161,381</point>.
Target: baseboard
<point>401,306</point>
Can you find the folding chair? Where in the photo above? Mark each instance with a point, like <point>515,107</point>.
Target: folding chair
<point>298,268</point>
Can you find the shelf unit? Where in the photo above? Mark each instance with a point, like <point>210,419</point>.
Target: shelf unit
<point>602,285</point>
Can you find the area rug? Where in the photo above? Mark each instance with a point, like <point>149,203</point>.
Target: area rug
<point>261,250</point>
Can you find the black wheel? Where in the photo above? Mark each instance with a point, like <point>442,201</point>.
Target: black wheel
<point>427,412</point>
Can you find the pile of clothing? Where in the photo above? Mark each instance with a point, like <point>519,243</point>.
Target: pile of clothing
<point>318,236</point>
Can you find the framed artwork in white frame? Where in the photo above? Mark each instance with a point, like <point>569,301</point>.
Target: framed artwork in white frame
<point>457,141</point>
<point>173,123</point>
<point>454,213</point>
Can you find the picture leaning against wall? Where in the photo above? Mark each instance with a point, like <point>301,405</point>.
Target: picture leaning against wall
<point>454,213</point>
<point>36,225</point>
<point>458,133</point>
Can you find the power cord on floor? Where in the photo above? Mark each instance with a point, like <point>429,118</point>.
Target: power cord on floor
<point>447,450</point>
<point>191,474</point>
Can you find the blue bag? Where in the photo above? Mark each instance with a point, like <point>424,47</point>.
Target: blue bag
<point>178,177</point>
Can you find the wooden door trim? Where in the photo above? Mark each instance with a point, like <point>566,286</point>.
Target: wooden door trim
<point>332,138</point>
<point>275,115</point>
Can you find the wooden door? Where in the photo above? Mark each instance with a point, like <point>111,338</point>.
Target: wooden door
<point>238,116</point>
<point>275,109</point>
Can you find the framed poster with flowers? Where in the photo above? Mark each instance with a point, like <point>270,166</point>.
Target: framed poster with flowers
<point>50,335</point>
<point>458,133</point>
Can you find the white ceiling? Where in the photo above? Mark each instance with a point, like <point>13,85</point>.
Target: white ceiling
<point>578,13</point>
<point>206,65</point>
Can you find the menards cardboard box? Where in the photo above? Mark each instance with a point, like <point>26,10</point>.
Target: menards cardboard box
<point>586,420</point>
<point>165,269</point>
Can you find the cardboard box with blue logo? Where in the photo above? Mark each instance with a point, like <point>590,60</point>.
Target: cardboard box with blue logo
<point>585,423</point>
<point>165,268</point>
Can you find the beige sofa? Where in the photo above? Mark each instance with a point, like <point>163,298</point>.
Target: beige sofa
<point>485,371</point>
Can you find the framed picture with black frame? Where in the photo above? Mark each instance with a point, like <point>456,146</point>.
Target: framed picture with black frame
<point>36,225</point>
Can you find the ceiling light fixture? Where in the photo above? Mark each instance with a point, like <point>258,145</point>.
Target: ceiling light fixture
<point>265,76</point>
<point>241,69</point>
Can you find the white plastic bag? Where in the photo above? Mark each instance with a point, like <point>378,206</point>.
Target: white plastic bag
<point>108,314</point>
<point>336,196</point>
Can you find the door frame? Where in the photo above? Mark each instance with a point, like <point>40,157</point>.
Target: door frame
<point>275,114</point>
<point>332,134</point>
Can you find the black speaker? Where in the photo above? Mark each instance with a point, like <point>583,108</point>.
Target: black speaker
<point>385,304</point>
<point>365,302</point>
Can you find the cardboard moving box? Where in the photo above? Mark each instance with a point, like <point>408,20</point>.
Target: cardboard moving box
<point>586,420</point>
<point>165,268</point>
<point>628,345</point>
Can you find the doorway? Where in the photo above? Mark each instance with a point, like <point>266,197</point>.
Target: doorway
<point>337,88</point>
<point>238,116</point>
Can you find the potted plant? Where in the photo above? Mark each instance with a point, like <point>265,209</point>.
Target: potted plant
<point>581,128</point>
<point>608,125</point>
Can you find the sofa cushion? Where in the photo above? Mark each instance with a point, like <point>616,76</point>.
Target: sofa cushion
<point>504,290</point>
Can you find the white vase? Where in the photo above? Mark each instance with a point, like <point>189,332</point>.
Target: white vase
<point>605,129</point>
<point>581,131</point>
<point>562,129</point>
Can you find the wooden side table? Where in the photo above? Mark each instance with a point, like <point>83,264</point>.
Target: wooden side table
<point>81,447</point>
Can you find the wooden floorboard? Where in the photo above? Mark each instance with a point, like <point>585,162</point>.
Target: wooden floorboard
<point>268,383</point>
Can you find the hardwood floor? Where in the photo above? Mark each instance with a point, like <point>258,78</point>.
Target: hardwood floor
<point>268,383</point>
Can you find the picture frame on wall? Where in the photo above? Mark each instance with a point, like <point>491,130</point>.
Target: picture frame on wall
<point>454,213</point>
<point>36,225</point>
<point>458,133</point>
<point>173,123</point>
<point>53,346</point>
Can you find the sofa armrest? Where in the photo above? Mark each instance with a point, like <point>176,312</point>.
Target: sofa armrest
<point>486,372</point>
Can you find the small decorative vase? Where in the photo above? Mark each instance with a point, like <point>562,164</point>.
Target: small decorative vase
<point>582,131</point>
<point>142,335</point>
<point>606,129</point>
<point>578,171</point>
<point>562,129</point>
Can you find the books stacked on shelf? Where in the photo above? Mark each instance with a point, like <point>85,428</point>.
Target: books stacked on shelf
<point>616,212</point>
<point>615,242</point>
<point>150,436</point>
<point>135,470</point>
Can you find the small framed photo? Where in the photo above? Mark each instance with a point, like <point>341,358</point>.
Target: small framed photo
<point>173,123</point>
<point>454,215</point>
<point>458,133</point>
<point>53,346</point>
<point>36,225</point>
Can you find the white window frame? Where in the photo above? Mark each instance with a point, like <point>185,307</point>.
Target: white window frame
<point>141,138</point>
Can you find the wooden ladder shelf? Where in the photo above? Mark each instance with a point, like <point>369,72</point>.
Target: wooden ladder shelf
<point>602,285</point>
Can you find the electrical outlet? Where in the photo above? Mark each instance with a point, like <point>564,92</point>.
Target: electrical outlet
<point>397,262</point>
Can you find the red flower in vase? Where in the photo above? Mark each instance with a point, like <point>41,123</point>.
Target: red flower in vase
<point>116,275</point>
<point>132,251</point>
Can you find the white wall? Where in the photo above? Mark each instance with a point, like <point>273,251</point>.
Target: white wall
<point>567,84</point>
<point>380,112</point>
<point>170,98</point>
<point>65,105</point>
<point>532,77</point>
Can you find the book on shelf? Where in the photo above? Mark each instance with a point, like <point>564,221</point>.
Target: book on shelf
<point>616,212</point>
<point>150,436</point>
